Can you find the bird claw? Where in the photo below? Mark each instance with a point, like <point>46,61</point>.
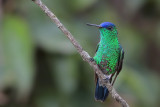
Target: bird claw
<point>91,59</point>
<point>107,77</point>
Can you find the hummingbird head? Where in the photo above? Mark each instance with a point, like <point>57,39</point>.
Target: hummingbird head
<point>107,25</point>
<point>107,29</point>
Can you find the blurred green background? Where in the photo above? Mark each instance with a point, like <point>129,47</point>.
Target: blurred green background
<point>39,67</point>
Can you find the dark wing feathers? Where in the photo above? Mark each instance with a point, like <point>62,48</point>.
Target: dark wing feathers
<point>120,61</point>
<point>97,47</point>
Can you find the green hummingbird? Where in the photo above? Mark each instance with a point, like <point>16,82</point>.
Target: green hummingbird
<point>109,56</point>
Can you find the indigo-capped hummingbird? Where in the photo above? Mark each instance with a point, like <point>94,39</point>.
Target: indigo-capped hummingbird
<point>109,56</point>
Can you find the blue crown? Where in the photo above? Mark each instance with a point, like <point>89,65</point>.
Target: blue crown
<point>106,24</point>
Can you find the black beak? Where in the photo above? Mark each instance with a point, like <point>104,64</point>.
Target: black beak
<point>93,25</point>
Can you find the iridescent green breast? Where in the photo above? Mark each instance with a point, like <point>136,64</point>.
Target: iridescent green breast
<point>108,53</point>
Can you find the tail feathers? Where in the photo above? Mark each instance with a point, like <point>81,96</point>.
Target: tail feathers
<point>101,93</point>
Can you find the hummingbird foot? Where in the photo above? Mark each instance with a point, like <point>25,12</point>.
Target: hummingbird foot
<point>107,77</point>
<point>91,59</point>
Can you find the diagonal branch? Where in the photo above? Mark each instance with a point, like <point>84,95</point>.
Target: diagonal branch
<point>85,56</point>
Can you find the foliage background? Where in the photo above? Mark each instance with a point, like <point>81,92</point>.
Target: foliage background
<point>39,67</point>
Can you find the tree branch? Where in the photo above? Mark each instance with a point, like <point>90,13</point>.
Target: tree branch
<point>85,56</point>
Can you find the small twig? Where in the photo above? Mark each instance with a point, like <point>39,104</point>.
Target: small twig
<point>85,56</point>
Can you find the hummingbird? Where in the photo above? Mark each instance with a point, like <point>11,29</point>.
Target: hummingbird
<point>109,57</point>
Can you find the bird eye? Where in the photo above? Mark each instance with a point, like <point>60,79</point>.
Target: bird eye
<point>110,28</point>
